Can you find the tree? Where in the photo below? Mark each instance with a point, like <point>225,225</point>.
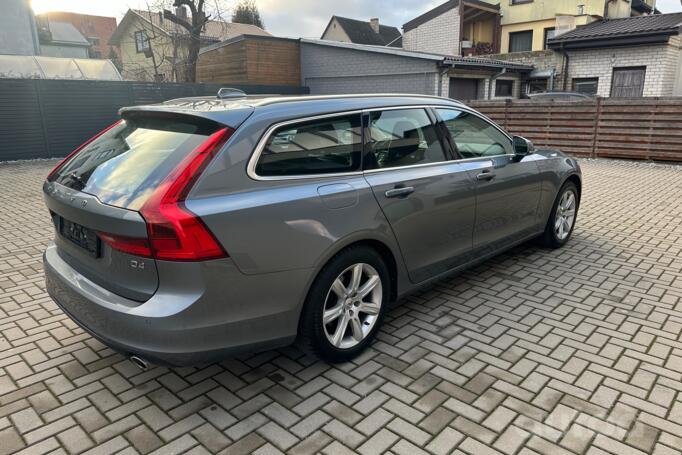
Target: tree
<point>246,12</point>
<point>193,25</point>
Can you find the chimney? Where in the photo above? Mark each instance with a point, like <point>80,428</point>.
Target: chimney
<point>181,12</point>
<point>374,23</point>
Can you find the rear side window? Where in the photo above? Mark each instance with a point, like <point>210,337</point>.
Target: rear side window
<point>126,164</point>
<point>403,137</point>
<point>323,146</point>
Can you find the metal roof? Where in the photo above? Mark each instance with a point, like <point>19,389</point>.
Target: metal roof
<point>66,33</point>
<point>378,49</point>
<point>446,60</point>
<point>483,62</point>
<point>633,29</point>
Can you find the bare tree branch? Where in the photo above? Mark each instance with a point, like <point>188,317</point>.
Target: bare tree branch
<point>167,14</point>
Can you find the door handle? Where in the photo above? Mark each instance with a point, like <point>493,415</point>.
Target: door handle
<point>399,192</point>
<point>485,176</point>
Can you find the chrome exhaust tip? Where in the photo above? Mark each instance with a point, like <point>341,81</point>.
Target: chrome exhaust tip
<point>139,363</point>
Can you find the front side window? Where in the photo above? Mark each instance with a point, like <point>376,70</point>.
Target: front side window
<point>141,41</point>
<point>474,137</point>
<point>404,137</point>
<point>323,146</point>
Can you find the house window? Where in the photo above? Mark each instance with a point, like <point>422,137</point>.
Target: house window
<point>549,34</point>
<point>586,85</point>
<point>521,41</point>
<point>504,88</point>
<point>141,41</point>
<point>628,82</point>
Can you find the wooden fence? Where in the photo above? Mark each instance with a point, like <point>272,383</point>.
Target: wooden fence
<point>641,128</point>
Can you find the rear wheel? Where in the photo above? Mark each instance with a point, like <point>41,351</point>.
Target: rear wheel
<point>345,305</point>
<point>562,219</point>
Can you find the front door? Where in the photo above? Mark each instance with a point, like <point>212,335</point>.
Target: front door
<point>428,200</point>
<point>463,89</point>
<point>507,189</point>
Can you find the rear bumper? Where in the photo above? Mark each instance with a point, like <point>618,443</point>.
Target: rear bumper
<point>205,312</point>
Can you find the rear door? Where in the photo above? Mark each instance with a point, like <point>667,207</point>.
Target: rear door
<point>96,195</point>
<point>428,199</point>
<point>507,189</point>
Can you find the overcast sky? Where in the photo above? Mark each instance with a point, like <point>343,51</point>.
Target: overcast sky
<point>294,18</point>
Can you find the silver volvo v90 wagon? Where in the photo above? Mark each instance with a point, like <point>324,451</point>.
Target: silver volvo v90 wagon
<point>199,228</point>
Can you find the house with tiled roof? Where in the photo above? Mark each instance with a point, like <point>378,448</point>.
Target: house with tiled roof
<point>630,57</point>
<point>154,48</point>
<point>348,30</point>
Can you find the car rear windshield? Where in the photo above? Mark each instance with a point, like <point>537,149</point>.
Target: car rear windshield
<point>124,166</point>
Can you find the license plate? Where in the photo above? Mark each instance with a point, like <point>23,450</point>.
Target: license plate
<point>81,236</point>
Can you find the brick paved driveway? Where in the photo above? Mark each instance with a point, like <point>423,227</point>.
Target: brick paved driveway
<point>550,352</point>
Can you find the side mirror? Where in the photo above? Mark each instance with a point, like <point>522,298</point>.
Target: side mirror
<point>522,146</point>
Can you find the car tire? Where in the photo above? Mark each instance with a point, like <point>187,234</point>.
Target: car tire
<point>335,299</point>
<point>562,218</point>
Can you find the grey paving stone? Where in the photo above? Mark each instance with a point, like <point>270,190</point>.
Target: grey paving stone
<point>532,352</point>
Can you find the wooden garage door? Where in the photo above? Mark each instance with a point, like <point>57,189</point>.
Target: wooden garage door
<point>628,82</point>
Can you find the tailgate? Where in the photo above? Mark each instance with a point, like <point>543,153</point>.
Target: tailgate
<point>79,219</point>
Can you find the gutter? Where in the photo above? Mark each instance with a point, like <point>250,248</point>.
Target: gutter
<point>480,64</point>
<point>618,41</point>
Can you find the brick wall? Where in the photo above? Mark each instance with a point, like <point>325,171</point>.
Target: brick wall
<point>334,70</point>
<point>662,62</point>
<point>440,35</point>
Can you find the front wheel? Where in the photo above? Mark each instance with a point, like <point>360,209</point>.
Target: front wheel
<point>562,219</point>
<point>346,304</point>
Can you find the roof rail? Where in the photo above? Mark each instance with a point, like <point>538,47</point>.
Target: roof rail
<point>227,92</point>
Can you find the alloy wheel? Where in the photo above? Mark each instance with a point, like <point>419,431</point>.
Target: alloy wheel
<point>565,215</point>
<point>352,306</point>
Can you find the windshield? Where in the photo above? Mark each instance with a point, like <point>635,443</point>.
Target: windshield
<point>126,164</point>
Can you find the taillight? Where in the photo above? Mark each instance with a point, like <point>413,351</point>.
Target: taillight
<point>53,172</point>
<point>175,233</point>
<point>130,245</point>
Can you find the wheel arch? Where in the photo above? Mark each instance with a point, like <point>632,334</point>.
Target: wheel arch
<point>577,181</point>
<point>385,247</point>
